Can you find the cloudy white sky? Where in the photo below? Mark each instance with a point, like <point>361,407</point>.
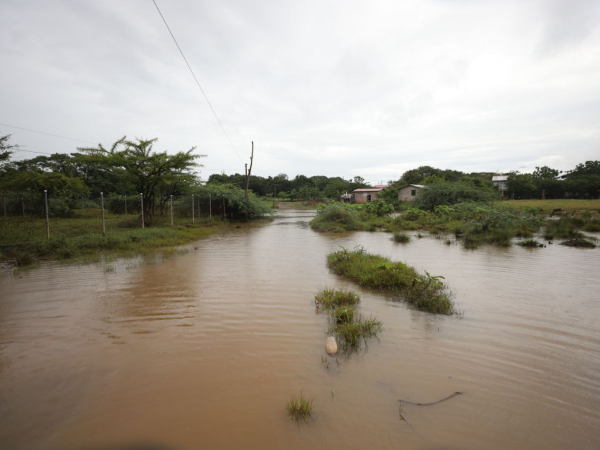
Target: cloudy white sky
<point>336,88</point>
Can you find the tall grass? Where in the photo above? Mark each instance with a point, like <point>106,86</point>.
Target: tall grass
<point>345,323</point>
<point>299,408</point>
<point>424,291</point>
<point>329,298</point>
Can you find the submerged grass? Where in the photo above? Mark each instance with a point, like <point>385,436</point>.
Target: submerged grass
<point>401,238</point>
<point>531,243</point>
<point>299,408</point>
<point>125,242</point>
<point>424,291</point>
<point>579,242</point>
<point>332,298</point>
<point>348,326</point>
<point>351,333</point>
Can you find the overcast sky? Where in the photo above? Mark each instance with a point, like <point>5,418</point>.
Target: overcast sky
<point>344,88</point>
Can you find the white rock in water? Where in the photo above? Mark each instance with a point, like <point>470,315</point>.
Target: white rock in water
<point>331,346</point>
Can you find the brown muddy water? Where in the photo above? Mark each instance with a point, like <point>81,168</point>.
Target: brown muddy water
<point>203,349</point>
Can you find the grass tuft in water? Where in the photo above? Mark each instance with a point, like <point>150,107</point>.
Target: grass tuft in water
<point>579,242</point>
<point>530,243</point>
<point>299,408</point>
<point>329,298</point>
<point>401,238</point>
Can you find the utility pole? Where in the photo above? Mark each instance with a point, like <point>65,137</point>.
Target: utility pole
<point>248,179</point>
<point>249,174</point>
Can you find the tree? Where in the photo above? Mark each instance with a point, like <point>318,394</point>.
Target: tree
<point>521,185</point>
<point>151,173</point>
<point>6,148</point>
<point>545,173</point>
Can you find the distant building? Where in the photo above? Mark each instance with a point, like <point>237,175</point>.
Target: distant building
<point>346,198</point>
<point>367,194</point>
<point>500,181</point>
<point>409,193</point>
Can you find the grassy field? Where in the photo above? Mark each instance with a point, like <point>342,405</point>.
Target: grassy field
<point>547,206</point>
<point>81,236</point>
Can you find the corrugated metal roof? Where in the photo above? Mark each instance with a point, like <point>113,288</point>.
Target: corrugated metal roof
<point>422,186</point>
<point>368,190</point>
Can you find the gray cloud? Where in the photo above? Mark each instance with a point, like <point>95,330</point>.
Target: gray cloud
<point>334,88</point>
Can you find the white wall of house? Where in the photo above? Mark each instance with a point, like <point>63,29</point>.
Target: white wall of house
<point>408,193</point>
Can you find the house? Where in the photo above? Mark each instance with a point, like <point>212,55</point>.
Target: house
<point>500,181</point>
<point>367,194</point>
<point>409,193</point>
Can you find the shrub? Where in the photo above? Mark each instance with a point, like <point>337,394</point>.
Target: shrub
<point>59,207</point>
<point>453,193</point>
<point>378,208</point>
<point>414,214</point>
<point>336,217</point>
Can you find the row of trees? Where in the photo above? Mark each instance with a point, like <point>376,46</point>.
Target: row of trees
<point>128,167</point>
<point>545,182</point>
<point>301,187</point>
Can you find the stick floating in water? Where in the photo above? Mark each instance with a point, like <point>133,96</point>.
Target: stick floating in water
<point>432,403</point>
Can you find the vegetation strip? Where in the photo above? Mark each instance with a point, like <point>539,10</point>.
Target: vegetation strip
<point>425,292</point>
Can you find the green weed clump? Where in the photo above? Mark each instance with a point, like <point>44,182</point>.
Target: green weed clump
<point>401,238</point>
<point>350,334</point>
<point>579,242</point>
<point>299,408</point>
<point>531,243</point>
<point>349,327</point>
<point>424,291</point>
<point>563,228</point>
<point>328,298</point>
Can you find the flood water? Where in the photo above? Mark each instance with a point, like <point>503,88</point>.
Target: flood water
<point>203,349</point>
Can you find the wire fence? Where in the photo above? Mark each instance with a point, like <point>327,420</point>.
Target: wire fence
<point>25,216</point>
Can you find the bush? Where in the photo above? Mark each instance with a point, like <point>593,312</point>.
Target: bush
<point>59,207</point>
<point>453,193</point>
<point>378,208</point>
<point>414,214</point>
<point>336,217</point>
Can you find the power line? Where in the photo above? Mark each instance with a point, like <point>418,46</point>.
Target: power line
<point>48,134</point>
<point>197,82</point>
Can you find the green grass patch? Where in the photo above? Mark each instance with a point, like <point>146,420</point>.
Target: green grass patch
<point>348,326</point>
<point>329,298</point>
<point>125,242</point>
<point>299,409</point>
<point>350,334</point>
<point>547,206</point>
<point>579,242</point>
<point>530,243</point>
<point>423,291</point>
<point>401,238</point>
